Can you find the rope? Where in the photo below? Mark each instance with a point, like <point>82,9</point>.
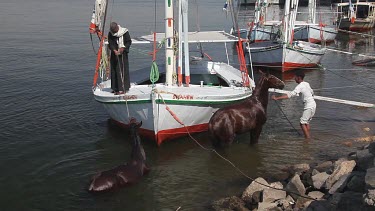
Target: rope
<point>350,79</point>
<point>287,118</point>
<point>154,73</point>
<point>92,44</point>
<point>122,80</point>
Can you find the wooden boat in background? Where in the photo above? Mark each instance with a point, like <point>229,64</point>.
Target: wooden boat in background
<point>286,54</point>
<point>358,16</point>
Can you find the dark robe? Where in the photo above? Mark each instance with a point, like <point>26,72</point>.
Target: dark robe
<point>120,63</point>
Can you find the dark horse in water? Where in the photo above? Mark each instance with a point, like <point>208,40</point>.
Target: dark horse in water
<point>127,173</point>
<point>249,115</point>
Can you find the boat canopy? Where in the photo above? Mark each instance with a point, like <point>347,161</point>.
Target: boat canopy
<point>194,37</point>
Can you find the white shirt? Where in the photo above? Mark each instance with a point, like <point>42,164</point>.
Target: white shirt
<point>307,94</point>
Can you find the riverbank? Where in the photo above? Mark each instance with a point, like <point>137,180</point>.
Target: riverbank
<point>346,183</point>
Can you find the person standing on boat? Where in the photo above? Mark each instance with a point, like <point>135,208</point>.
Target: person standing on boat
<point>119,43</point>
<point>307,95</point>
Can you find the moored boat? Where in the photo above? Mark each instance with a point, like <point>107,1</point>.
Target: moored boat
<point>286,54</point>
<point>285,57</point>
<point>168,106</point>
<point>358,16</point>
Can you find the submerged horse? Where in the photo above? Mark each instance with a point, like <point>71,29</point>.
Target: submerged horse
<point>127,173</point>
<point>247,116</point>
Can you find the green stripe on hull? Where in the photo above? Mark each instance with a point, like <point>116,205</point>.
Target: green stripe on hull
<point>128,102</point>
<point>195,102</point>
<point>176,102</point>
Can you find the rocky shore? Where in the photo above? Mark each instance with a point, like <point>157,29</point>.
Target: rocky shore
<point>347,183</point>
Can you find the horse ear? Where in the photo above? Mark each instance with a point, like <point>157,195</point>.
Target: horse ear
<point>139,124</point>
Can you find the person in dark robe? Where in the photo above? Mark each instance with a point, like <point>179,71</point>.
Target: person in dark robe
<point>119,43</point>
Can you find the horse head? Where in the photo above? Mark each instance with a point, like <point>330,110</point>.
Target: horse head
<point>273,81</point>
<point>137,151</point>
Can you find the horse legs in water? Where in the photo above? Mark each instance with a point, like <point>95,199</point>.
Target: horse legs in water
<point>254,134</point>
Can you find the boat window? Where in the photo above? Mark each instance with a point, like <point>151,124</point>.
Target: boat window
<point>362,11</point>
<point>208,79</point>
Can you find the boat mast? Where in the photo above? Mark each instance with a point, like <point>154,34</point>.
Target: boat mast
<point>286,22</point>
<point>186,40</point>
<point>312,12</point>
<point>179,69</point>
<point>290,12</point>
<point>169,54</point>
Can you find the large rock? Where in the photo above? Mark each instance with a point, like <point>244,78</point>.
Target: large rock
<point>319,180</point>
<point>302,203</point>
<point>370,178</point>
<point>229,204</point>
<point>316,195</point>
<point>268,206</point>
<point>306,178</point>
<point>350,201</point>
<point>347,201</point>
<point>338,162</point>
<point>371,148</point>
<point>339,185</point>
<point>253,187</point>
<point>271,195</point>
<point>364,159</point>
<point>356,182</point>
<point>341,168</point>
<point>300,168</point>
<point>296,169</point>
<point>321,205</point>
<point>295,187</point>
<point>325,166</point>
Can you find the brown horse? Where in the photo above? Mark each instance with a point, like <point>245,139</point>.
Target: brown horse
<point>127,173</point>
<point>249,115</point>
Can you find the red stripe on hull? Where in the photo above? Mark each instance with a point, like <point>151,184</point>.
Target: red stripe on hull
<point>312,40</point>
<point>359,29</point>
<point>167,135</point>
<point>287,66</point>
<point>290,66</point>
<point>170,134</point>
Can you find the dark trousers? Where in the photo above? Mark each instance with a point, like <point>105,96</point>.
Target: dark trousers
<point>120,80</point>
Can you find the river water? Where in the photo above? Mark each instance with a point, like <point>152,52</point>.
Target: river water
<point>55,136</point>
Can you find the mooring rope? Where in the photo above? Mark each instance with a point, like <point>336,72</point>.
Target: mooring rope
<point>122,70</point>
<point>350,79</point>
<point>357,33</point>
<point>287,118</point>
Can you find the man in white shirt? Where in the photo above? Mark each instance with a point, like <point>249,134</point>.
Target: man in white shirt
<point>307,95</point>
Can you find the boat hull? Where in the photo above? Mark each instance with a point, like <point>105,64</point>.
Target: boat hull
<point>169,112</point>
<point>163,113</point>
<point>358,25</point>
<point>315,34</point>
<point>283,57</point>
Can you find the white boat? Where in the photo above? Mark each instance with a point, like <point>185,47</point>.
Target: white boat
<point>315,33</point>
<point>358,16</point>
<point>172,108</point>
<point>311,31</point>
<point>262,30</point>
<point>286,54</point>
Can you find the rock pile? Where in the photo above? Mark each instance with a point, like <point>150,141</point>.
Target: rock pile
<point>343,184</point>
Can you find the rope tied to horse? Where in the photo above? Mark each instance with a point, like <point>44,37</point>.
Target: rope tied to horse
<point>122,70</point>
